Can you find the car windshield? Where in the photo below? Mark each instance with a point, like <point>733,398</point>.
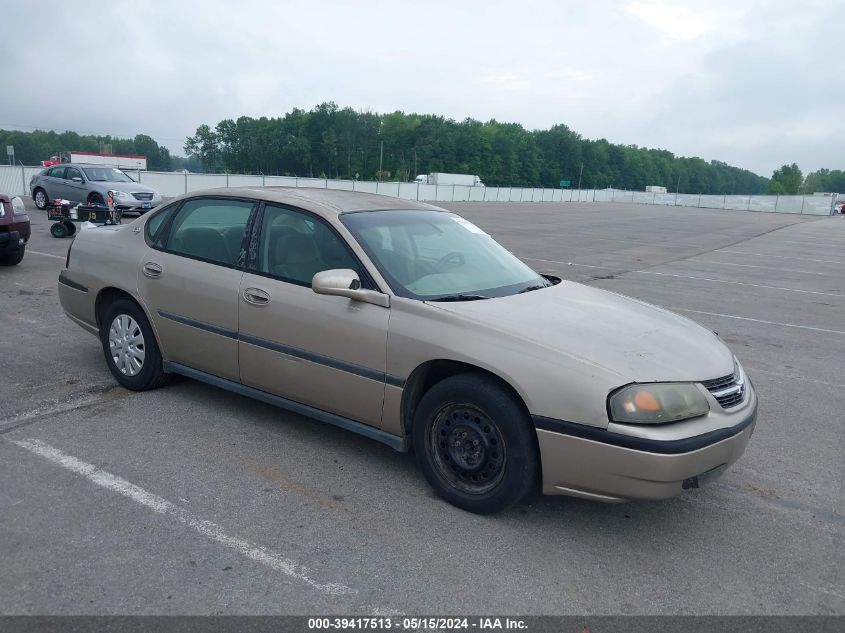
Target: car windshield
<point>439,256</point>
<point>106,174</point>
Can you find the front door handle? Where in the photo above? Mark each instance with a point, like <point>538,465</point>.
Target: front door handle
<point>151,269</point>
<point>256,296</point>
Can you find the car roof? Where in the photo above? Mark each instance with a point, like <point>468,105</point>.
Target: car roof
<point>326,202</point>
<point>87,165</point>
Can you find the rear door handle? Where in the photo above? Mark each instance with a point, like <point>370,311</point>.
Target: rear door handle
<point>151,269</point>
<point>256,296</point>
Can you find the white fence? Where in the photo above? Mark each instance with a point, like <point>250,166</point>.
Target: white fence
<point>14,180</point>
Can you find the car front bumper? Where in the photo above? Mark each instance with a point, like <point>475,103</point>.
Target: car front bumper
<point>132,204</point>
<point>11,241</point>
<point>597,464</point>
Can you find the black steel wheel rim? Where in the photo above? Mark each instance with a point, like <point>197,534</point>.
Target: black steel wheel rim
<point>467,448</point>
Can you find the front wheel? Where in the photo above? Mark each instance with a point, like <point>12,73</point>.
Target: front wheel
<point>130,347</point>
<point>39,196</point>
<point>475,444</point>
<point>13,258</point>
<point>96,198</point>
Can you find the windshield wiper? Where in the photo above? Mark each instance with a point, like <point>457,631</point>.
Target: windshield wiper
<point>460,297</point>
<point>530,288</point>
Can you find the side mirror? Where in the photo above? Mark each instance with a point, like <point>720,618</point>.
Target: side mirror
<point>344,282</point>
<point>77,179</point>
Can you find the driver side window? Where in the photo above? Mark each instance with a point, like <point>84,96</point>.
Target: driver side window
<point>296,246</point>
<point>73,172</point>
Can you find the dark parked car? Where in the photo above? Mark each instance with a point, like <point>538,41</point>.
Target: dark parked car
<point>91,184</point>
<point>14,230</point>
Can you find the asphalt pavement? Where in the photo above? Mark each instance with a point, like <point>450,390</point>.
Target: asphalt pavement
<point>192,500</point>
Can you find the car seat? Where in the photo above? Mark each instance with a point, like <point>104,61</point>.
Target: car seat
<point>296,258</point>
<point>202,241</point>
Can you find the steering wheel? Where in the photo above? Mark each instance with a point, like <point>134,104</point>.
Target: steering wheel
<point>454,258</point>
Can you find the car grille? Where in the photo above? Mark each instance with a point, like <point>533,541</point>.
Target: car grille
<point>729,390</point>
<point>143,196</point>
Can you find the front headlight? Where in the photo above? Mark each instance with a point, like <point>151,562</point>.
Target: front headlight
<point>18,207</point>
<point>658,403</point>
<point>121,194</point>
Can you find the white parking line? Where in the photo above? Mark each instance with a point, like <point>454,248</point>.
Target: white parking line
<point>29,252</point>
<point>157,504</point>
<point>803,259</point>
<point>740,318</point>
<point>781,270</point>
<point>740,283</point>
<point>804,243</point>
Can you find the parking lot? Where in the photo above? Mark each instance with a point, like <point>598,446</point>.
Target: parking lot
<point>192,500</point>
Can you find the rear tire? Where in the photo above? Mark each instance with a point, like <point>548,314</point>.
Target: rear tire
<point>475,444</point>
<point>14,258</point>
<point>39,197</point>
<point>96,198</point>
<point>130,347</point>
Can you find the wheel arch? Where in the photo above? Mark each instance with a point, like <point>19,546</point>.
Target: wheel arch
<point>431,372</point>
<point>93,193</point>
<point>108,294</point>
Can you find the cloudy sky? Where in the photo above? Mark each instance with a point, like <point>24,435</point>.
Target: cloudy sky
<point>753,83</point>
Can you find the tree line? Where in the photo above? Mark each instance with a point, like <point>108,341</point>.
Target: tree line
<point>334,142</point>
<point>33,147</point>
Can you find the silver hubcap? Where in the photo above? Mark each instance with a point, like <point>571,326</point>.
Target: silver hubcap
<point>40,199</point>
<point>126,345</point>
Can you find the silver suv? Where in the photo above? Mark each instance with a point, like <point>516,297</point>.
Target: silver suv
<point>91,183</point>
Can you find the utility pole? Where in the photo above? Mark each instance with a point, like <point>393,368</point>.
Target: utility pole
<point>581,173</point>
<point>415,162</point>
<point>380,157</point>
<point>677,187</point>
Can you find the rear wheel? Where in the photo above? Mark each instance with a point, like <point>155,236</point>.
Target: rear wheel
<point>475,444</point>
<point>130,347</point>
<point>96,198</point>
<point>39,196</point>
<point>13,258</point>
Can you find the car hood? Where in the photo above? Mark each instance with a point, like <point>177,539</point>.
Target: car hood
<point>638,341</point>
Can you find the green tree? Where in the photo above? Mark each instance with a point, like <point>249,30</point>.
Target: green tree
<point>786,180</point>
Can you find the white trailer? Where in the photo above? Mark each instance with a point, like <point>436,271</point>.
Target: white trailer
<point>121,161</point>
<point>655,189</point>
<point>440,178</point>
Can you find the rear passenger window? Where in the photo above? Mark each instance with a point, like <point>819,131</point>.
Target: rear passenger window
<point>210,229</point>
<point>155,223</point>
<point>57,172</point>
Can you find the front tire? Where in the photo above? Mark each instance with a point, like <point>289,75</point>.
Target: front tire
<point>96,198</point>
<point>475,444</point>
<point>14,258</point>
<point>39,197</point>
<point>130,347</point>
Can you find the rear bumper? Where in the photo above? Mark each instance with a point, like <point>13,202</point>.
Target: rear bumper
<point>611,467</point>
